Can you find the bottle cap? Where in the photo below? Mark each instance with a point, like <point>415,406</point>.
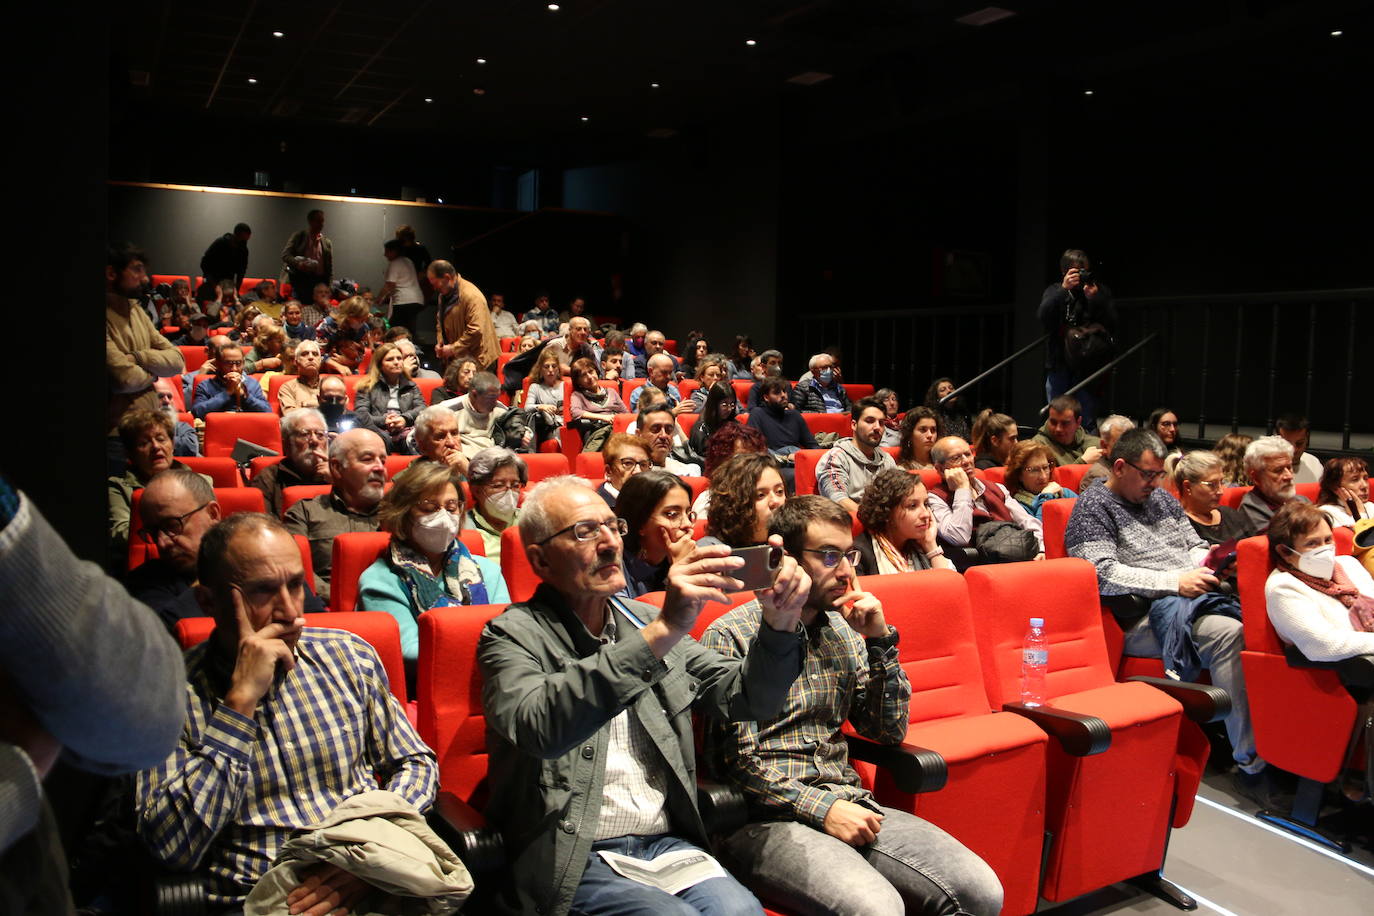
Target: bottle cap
<point>1037,621</point>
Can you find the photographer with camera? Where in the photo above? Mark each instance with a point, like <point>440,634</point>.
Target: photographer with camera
<point>1080,318</point>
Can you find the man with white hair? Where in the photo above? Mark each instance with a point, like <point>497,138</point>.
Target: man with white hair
<point>357,467</point>
<point>185,443</point>
<point>306,438</point>
<point>661,377</point>
<point>576,344</point>
<point>634,345</point>
<point>483,421</point>
<point>961,503</point>
<point>1108,431</point>
<point>655,343</point>
<point>822,392</point>
<point>1269,462</point>
<point>437,438</point>
<point>412,356</point>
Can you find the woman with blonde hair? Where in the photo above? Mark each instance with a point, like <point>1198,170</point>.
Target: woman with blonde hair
<point>387,401</point>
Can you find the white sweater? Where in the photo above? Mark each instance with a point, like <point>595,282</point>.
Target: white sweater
<point>1318,624</point>
<point>1340,515</point>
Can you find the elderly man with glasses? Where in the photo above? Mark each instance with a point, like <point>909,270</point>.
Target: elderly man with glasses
<point>588,701</point>
<point>306,463</point>
<point>1155,573</point>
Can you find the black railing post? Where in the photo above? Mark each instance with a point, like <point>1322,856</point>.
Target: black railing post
<point>1202,376</point>
<point>1269,408</point>
<point>1349,377</point>
<point>1107,368</point>
<point>1235,382</point>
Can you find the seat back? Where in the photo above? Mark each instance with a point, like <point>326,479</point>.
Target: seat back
<point>223,473</point>
<point>352,553</point>
<point>395,464</point>
<point>621,422</point>
<point>1054,516</point>
<point>1070,476</point>
<point>232,500</point>
<point>1309,490</point>
<point>545,464</point>
<point>804,465</point>
<point>292,495</point>
<point>996,474</point>
<point>448,688</point>
<point>1064,592</point>
<point>261,463</point>
<point>858,391</point>
<point>591,465</point>
<point>427,386</point>
<point>223,430</point>
<point>838,423</point>
<point>1232,496</point>
<point>742,387</point>
<point>521,580</point>
<point>273,387</point>
<point>687,421</point>
<point>686,387</point>
<point>194,356</point>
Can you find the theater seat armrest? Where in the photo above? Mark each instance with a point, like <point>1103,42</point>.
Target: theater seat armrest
<point>1356,671</point>
<point>1079,735</point>
<point>914,769</point>
<point>466,832</point>
<point>722,805</point>
<point>179,894</point>
<point>1201,702</point>
<point>1127,609</point>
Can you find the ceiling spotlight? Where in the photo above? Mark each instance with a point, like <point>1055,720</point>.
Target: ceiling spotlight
<point>478,90</point>
<point>585,118</point>
<point>252,81</point>
<point>553,7</point>
<point>653,85</point>
<point>1087,92</point>
<point>438,200</point>
<point>1337,33</point>
<point>750,42</point>
<point>481,60</point>
<point>427,101</point>
<point>278,34</point>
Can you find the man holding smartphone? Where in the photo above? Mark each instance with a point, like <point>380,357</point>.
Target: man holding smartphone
<point>806,802</point>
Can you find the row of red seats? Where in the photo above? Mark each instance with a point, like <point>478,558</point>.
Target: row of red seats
<point>248,285</point>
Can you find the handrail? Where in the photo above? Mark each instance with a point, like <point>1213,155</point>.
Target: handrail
<point>1111,365</point>
<point>989,371</point>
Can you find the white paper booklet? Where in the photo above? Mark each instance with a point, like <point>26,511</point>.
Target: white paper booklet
<point>672,872</point>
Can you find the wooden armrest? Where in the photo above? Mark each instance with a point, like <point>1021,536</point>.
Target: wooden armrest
<point>1079,735</point>
<point>1201,702</point>
<point>914,769</point>
<point>722,805</point>
<point>1356,671</point>
<point>465,830</point>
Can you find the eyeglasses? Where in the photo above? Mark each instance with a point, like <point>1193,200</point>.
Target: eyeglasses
<point>501,487</point>
<point>629,464</point>
<point>830,557</point>
<point>343,400</point>
<point>588,529</point>
<point>173,527</point>
<point>1209,484</point>
<point>1150,476</point>
<point>1038,469</point>
<point>310,435</point>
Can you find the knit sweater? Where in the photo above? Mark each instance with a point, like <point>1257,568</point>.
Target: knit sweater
<point>1137,549</point>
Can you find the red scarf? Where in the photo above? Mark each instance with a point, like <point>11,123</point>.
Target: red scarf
<point>1343,590</point>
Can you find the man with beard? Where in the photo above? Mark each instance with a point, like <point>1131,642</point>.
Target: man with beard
<point>783,428</point>
<point>306,463</point>
<point>357,467</point>
<point>437,439</point>
<point>807,803</point>
<point>656,424</point>
<point>1063,433</point>
<point>848,467</point>
<point>184,441</point>
<point>1269,462</point>
<point>177,508</point>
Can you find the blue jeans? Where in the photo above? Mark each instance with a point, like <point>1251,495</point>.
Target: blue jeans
<point>1058,381</point>
<point>602,891</point>
<point>912,867</point>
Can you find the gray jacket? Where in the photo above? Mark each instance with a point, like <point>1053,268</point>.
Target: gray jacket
<point>843,472</point>
<point>549,692</point>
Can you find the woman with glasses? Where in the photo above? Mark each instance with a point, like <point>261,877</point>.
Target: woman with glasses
<point>1198,482</point>
<point>745,492</point>
<point>718,408</point>
<point>656,508</point>
<point>1164,423</point>
<point>899,529</point>
<point>592,407</point>
<point>1030,477</point>
<point>425,565</point>
<point>495,476</point>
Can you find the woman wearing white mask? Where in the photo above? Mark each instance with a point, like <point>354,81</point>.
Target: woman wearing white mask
<point>495,476</point>
<point>426,565</point>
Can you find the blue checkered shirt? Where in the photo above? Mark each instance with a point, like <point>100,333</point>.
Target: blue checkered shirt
<point>235,788</point>
<point>796,765</point>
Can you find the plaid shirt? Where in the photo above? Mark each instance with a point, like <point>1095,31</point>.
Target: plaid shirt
<point>796,765</point>
<point>235,788</point>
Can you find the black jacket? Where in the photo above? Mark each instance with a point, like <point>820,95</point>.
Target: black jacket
<point>370,405</point>
<point>225,259</point>
<point>1061,309</point>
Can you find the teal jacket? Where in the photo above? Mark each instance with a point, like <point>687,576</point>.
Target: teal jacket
<point>380,589</point>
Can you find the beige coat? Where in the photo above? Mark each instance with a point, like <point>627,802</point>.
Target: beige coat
<point>136,354</point>
<point>468,324</point>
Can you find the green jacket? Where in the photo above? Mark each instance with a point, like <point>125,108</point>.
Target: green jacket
<point>1066,454</point>
<point>549,691</point>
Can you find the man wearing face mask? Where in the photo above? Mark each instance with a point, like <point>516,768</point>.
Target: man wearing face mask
<point>306,463</point>
<point>334,406</point>
<point>495,476</point>
<point>357,467</point>
<point>822,393</point>
<point>1152,575</point>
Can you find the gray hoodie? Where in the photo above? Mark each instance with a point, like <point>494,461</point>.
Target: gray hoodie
<point>844,471</point>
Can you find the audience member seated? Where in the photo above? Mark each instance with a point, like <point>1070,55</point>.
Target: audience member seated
<point>613,365</point>
<point>437,440</point>
<point>967,510</point>
<point>899,529</point>
<point>592,407</point>
<point>230,388</point>
<point>660,373</point>
<point>1151,574</point>
<point>426,565</point>
<point>484,422</point>
<point>766,365</point>
<point>264,754</point>
<point>1230,448</point>
<point>357,469</point>
<point>1109,430</point>
<point>892,422</point>
<point>952,416</point>
<point>147,439</point>
<point>544,399</point>
<point>294,323</point>
<point>197,330</point>
<point>709,370</point>
<point>495,476</point>
<point>823,391</point>
<point>1298,432</point>
<point>658,426</point>
<point>624,456</point>
<point>740,358</point>
<point>501,320</point>
<point>1197,481</point>
<point>318,306</point>
<point>817,840</point>
<point>783,428</point>
<point>1030,477</point>
<point>306,440</point>
<point>1163,422</point>
<point>575,344</point>
<point>745,492</point>
<point>546,317</point>
<point>406,344</point>
<point>387,400</point>
<point>698,348</point>
<point>844,471</point>
<point>1063,433</point>
<point>994,436</point>
<point>268,345</point>
<point>1344,492</point>
<point>185,443</point>
<point>347,325</point>
<point>304,389</point>
<point>572,680</point>
<point>334,406</point>
<point>657,509</point>
<point>717,408</point>
<point>1269,462</point>
<point>918,432</point>
<point>655,343</point>
<point>457,379</point>
<point>177,509</point>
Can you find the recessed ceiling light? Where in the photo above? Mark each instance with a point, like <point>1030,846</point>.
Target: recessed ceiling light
<point>553,7</point>
<point>438,200</point>
<point>481,60</point>
<point>427,101</point>
<point>585,118</point>
<point>1087,92</point>
<point>653,85</point>
<point>278,34</point>
<point>1337,33</point>
<point>251,81</point>
<point>478,90</point>
<point>750,42</point>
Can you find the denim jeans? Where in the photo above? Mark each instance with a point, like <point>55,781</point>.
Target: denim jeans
<point>1058,381</point>
<point>1218,641</point>
<point>912,867</point>
<point>603,891</point>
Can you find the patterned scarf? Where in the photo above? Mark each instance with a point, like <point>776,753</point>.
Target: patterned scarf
<point>461,578</point>
<point>899,560</point>
<point>1343,590</point>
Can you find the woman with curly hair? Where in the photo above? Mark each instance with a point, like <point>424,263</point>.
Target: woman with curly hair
<point>1230,448</point>
<point>919,430</point>
<point>729,440</point>
<point>899,529</point>
<point>745,492</point>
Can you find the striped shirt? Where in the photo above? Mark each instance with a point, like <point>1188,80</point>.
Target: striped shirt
<point>795,766</point>
<point>236,787</point>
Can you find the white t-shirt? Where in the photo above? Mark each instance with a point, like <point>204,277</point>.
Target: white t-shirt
<point>401,272</point>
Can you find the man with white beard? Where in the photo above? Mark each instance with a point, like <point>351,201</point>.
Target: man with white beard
<point>184,441</point>
<point>306,439</point>
<point>1269,462</point>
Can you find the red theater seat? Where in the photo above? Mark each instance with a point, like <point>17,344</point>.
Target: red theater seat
<point>545,464</point>
<point>354,551</point>
<point>804,463</point>
<point>292,495</point>
<point>857,392</point>
<point>395,464</point>
<point>427,386</point>
<point>194,357</point>
<point>838,423</point>
<point>221,471</point>
<point>223,430</point>
<point>232,500</point>
<point>1054,516</point>
<point>521,580</point>
<point>591,465</point>
<point>257,465</point>
<point>273,386</point>
<point>1070,476</point>
<point>994,475</point>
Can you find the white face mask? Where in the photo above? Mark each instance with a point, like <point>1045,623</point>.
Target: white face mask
<point>503,504</point>
<point>1319,562</point>
<point>434,532</point>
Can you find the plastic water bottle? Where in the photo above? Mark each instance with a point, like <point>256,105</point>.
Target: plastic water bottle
<point>1035,660</point>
